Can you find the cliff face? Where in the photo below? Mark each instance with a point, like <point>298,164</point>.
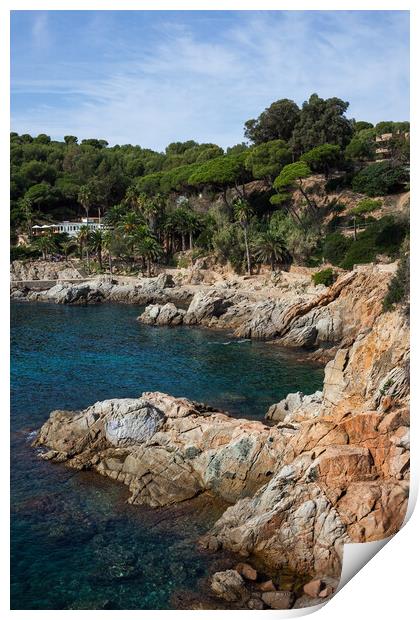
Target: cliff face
<point>334,469</point>
<point>344,473</point>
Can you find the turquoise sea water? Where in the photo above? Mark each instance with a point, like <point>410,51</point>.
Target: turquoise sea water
<point>75,542</point>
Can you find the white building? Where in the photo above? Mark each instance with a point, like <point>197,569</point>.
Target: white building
<point>72,229</point>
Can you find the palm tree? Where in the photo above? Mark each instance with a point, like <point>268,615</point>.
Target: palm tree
<point>96,241</point>
<point>67,246</point>
<point>149,248</point>
<point>85,197</point>
<point>108,244</point>
<point>45,244</point>
<point>151,208</point>
<point>132,197</point>
<point>182,222</point>
<point>130,222</point>
<point>170,227</point>
<point>83,238</point>
<point>270,247</point>
<point>243,211</point>
<point>193,225</point>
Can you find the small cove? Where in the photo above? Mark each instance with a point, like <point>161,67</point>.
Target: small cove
<point>75,543</point>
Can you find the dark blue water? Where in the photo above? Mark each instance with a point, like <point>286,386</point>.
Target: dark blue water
<point>76,544</point>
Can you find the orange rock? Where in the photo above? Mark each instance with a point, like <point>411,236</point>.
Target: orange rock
<point>266,586</point>
<point>246,570</point>
<point>313,588</point>
<point>326,592</point>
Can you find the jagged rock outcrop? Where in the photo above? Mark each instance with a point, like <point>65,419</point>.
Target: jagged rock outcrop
<point>165,449</point>
<point>42,270</point>
<point>315,318</point>
<point>106,288</point>
<point>345,469</point>
<point>283,410</point>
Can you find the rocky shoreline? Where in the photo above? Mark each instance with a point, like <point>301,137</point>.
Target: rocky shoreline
<point>325,469</point>
<point>285,308</point>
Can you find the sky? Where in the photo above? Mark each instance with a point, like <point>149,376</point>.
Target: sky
<point>155,77</point>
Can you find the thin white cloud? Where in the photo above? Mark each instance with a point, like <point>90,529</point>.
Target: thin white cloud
<point>185,87</point>
<point>40,32</point>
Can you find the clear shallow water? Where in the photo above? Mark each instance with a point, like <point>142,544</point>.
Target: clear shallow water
<point>75,543</point>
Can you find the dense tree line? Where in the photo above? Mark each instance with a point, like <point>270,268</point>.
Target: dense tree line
<point>150,201</point>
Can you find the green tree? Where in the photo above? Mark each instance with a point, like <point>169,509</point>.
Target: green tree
<point>221,173</point>
<point>25,206</point>
<point>42,138</point>
<point>83,239</point>
<point>321,121</point>
<point>86,198</point>
<point>67,246</point>
<point>291,178</point>
<point>380,178</point>
<point>243,212</point>
<point>362,146</point>
<point>266,160</point>
<point>149,184</point>
<point>46,244</point>
<point>276,122</point>
<point>323,158</point>
<point>109,244</point>
<point>149,248</point>
<point>96,244</point>
<point>359,125</point>
<point>130,222</point>
<point>270,247</point>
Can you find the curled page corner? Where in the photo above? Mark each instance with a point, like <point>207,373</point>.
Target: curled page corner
<point>355,557</point>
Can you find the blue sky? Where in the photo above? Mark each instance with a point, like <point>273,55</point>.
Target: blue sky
<point>153,77</point>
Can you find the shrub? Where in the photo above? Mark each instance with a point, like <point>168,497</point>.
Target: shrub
<point>182,261</point>
<point>20,252</point>
<point>384,236</point>
<point>301,243</point>
<point>399,286</point>
<point>367,205</point>
<point>229,246</point>
<point>337,207</point>
<point>335,247</point>
<point>380,179</point>
<point>326,277</point>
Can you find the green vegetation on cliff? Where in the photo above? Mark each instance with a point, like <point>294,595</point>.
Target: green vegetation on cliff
<point>255,203</point>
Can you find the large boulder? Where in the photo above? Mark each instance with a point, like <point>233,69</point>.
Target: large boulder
<point>206,306</point>
<point>167,314</point>
<point>278,600</point>
<point>77,294</point>
<point>229,586</point>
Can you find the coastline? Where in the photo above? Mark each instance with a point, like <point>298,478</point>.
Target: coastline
<point>339,466</point>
